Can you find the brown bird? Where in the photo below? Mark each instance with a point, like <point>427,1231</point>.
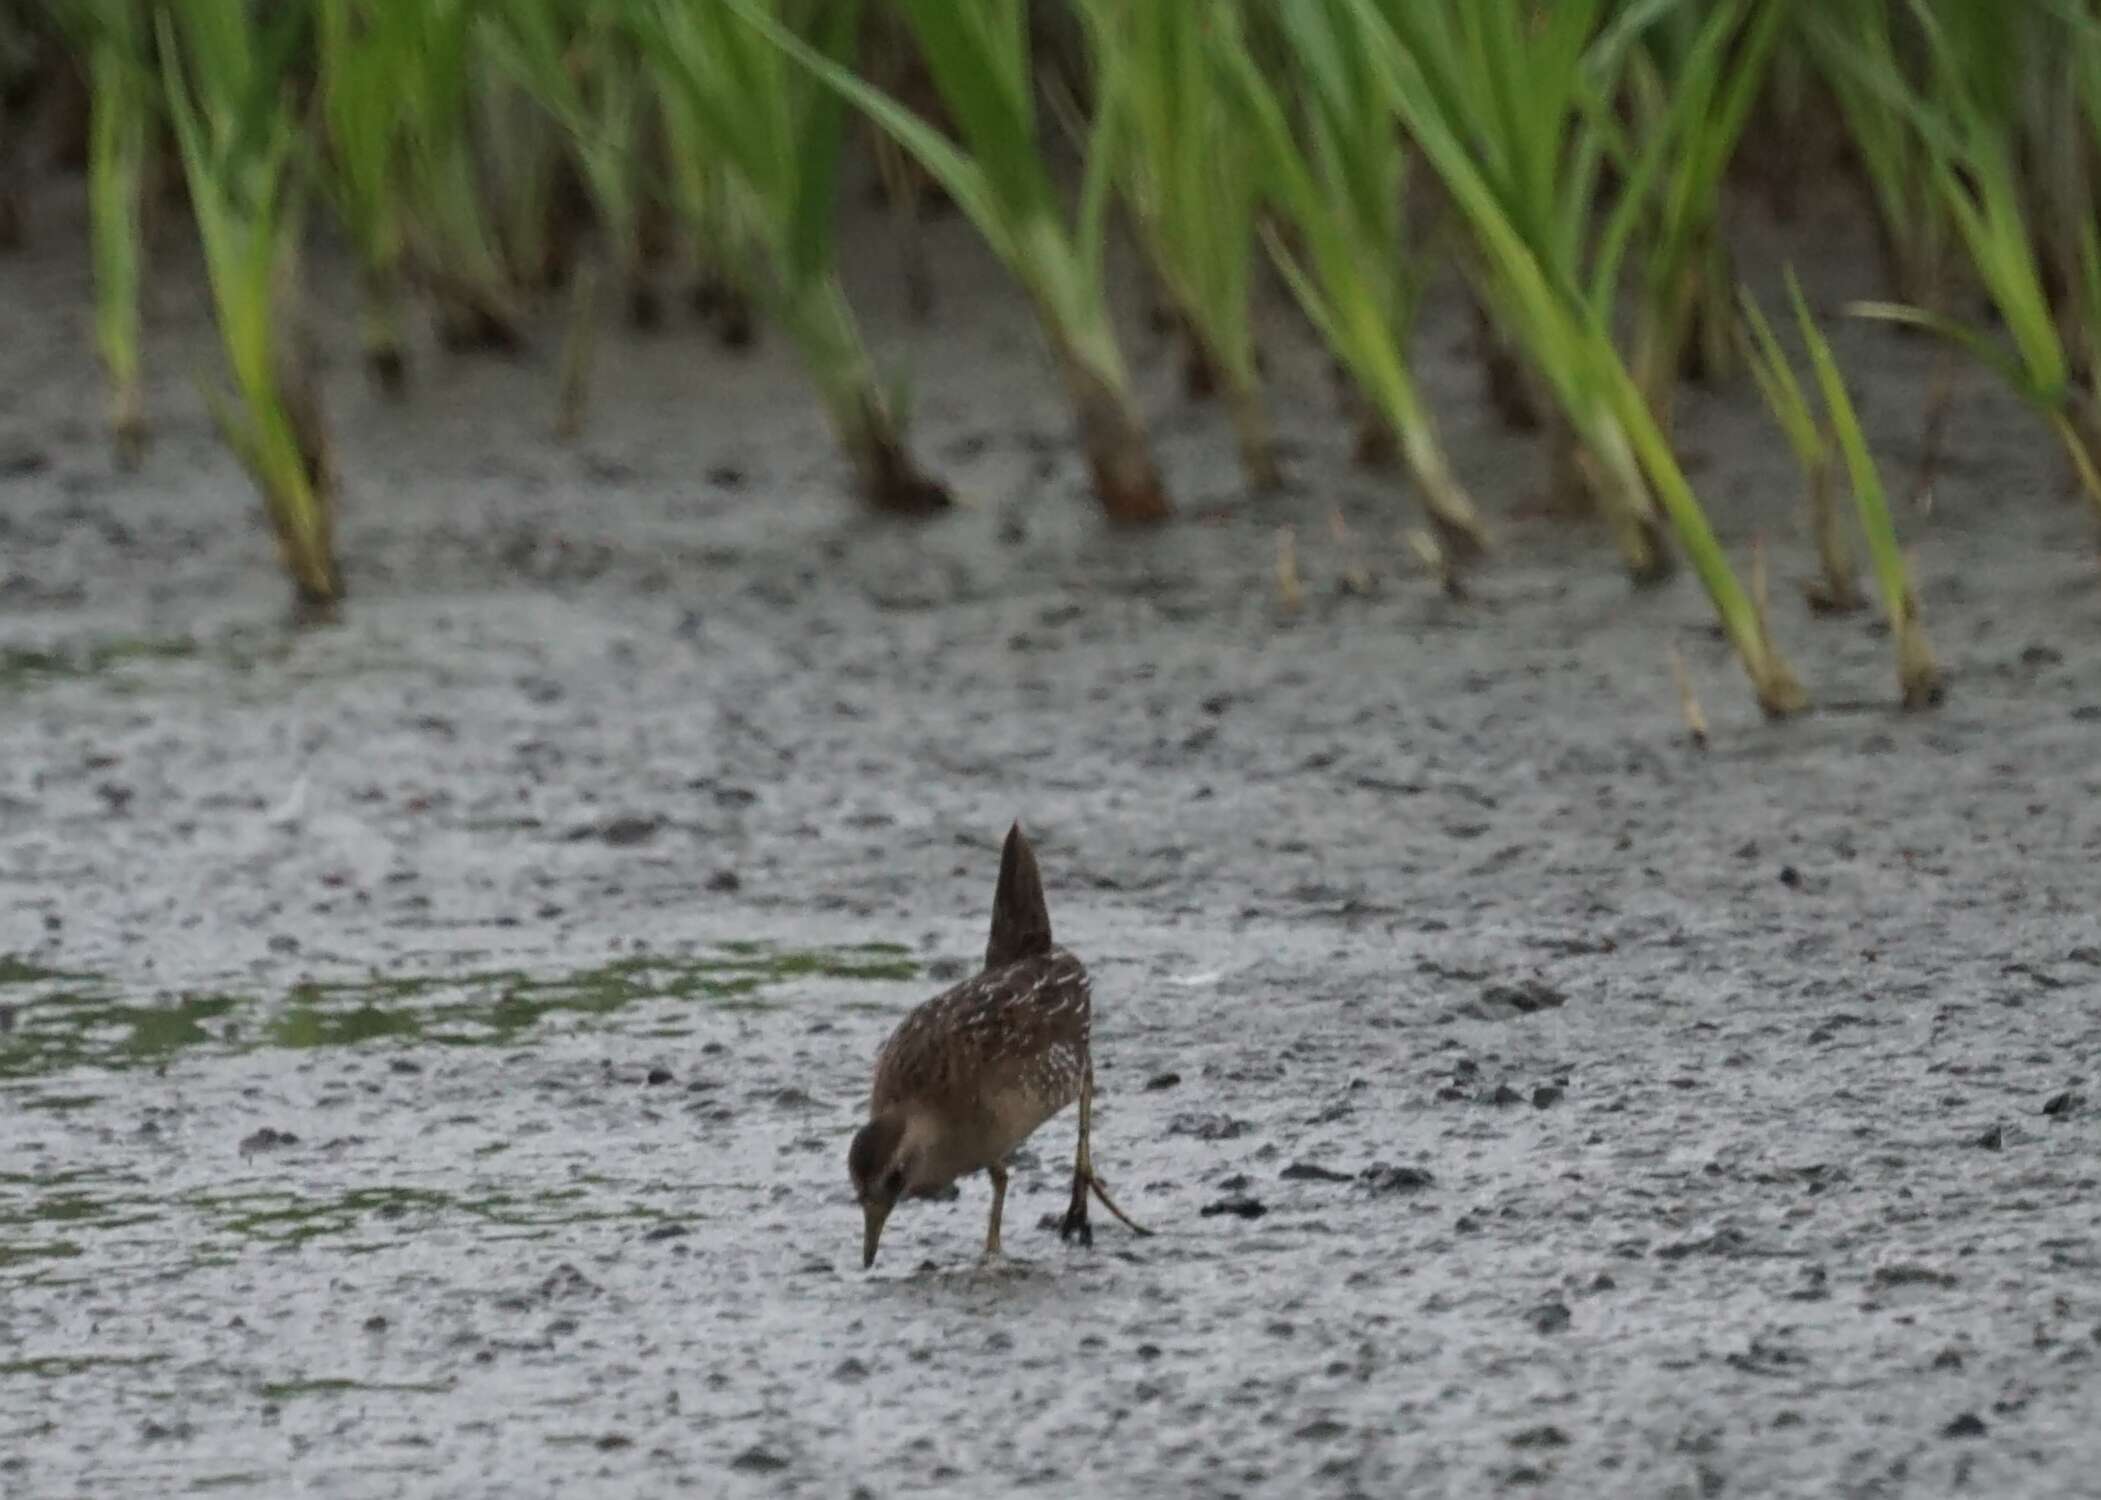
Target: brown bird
<point>970,1074</point>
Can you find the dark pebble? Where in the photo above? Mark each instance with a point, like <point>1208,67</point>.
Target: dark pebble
<point>2058,1106</point>
<point>725,881</point>
<point>1524,998</point>
<point>1968,1425</point>
<point>1240,1207</point>
<point>377,1323</point>
<point>1381,1178</point>
<point>268,1139</point>
<point>849,1369</point>
<point>1545,1096</point>
<point>1726,1241</point>
<point>19,460</point>
<point>1790,877</point>
<point>1992,1139</point>
<point>667,1232</point>
<point>659,1075</point>
<point>1547,1436</point>
<point>1907,1273</point>
<point>1549,1317</point>
<point>1161,1081</point>
<point>758,1461</point>
<point>619,833</point>
<point>1207,1127</point>
<point>1306,1171</point>
<point>613,1442</point>
<point>1505,1095</point>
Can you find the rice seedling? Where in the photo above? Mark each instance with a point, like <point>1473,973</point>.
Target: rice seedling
<point>772,132</point>
<point>453,249</point>
<point>1716,68</point>
<point>1918,675</point>
<point>362,51</point>
<point>19,91</point>
<point>112,36</point>
<point>1967,129</point>
<point>1337,182</point>
<point>703,196</point>
<point>1853,43</point>
<point>979,59</point>
<point>225,82</point>
<point>1835,589</point>
<point>1186,177</point>
<point>579,348</point>
<point>1568,340</point>
<point>1527,103</point>
<point>889,63</point>
<point>1688,702</point>
<point>578,63</point>
<point>1291,591</point>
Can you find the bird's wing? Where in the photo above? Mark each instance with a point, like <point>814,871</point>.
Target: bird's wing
<point>948,1050</point>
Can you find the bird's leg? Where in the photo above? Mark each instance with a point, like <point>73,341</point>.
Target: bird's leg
<point>998,1174</point>
<point>1084,1179</point>
<point>1075,1223</point>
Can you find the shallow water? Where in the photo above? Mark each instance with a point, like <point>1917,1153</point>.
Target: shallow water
<point>428,1046</point>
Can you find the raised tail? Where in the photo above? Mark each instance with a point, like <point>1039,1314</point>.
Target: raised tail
<point>1020,919</point>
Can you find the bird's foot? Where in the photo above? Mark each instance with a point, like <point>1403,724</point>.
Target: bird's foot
<point>1074,1225</point>
<point>1101,1191</point>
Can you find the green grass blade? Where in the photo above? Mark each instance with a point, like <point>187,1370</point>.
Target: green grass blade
<point>1919,677</point>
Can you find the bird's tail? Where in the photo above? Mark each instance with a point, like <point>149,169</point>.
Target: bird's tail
<point>1020,917</point>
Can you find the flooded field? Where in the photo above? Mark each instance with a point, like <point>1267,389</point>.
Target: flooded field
<point>429,1045</point>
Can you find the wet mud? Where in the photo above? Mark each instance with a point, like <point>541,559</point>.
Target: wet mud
<point>429,1044</point>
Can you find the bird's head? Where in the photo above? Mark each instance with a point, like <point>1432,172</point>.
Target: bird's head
<point>881,1163</point>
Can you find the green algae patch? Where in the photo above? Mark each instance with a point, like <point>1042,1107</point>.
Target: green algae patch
<point>59,1366</point>
<point>23,667</point>
<point>62,1020</point>
<point>15,1255</point>
<point>287,1390</point>
<point>354,1217</point>
<point>15,969</point>
<point>502,1007</point>
<point>81,1022</point>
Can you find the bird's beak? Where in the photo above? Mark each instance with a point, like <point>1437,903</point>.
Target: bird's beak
<point>872,1216</point>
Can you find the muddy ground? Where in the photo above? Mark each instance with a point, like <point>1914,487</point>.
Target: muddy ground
<point>430,1044</point>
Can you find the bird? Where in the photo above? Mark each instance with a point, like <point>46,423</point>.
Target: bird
<point>969,1075</point>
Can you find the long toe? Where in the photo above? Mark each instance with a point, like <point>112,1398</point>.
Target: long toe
<point>1075,1225</point>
